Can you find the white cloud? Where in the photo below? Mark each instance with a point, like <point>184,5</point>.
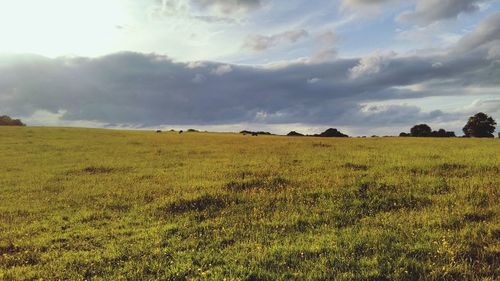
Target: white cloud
<point>313,80</point>
<point>371,64</point>
<point>229,6</point>
<point>196,64</point>
<point>222,69</point>
<point>261,42</point>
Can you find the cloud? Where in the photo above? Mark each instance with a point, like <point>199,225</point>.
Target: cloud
<point>150,90</point>
<point>313,80</point>
<point>430,11</point>
<point>229,6</point>
<point>210,11</point>
<point>492,106</point>
<point>395,114</point>
<point>222,70</point>
<point>363,8</point>
<point>486,33</point>
<point>199,78</point>
<point>358,3</point>
<point>169,8</point>
<point>261,43</point>
<point>326,47</point>
<point>147,90</point>
<point>494,52</point>
<point>371,64</point>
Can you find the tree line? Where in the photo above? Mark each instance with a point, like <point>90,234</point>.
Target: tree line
<point>478,126</point>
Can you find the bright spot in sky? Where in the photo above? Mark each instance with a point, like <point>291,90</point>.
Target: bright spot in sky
<point>60,27</point>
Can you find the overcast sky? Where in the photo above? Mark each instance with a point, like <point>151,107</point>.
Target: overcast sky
<point>363,66</point>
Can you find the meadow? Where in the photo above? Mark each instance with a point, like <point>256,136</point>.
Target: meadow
<point>90,204</point>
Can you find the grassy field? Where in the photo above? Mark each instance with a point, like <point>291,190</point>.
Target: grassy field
<point>81,204</point>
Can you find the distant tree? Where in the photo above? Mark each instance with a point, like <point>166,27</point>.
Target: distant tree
<point>295,134</point>
<point>7,121</point>
<point>404,135</point>
<point>192,131</point>
<point>246,132</point>
<point>451,135</point>
<point>422,130</point>
<point>442,133</point>
<point>480,126</point>
<point>332,133</point>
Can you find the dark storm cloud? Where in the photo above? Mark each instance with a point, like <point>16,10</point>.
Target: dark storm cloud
<point>149,90</point>
<point>429,11</point>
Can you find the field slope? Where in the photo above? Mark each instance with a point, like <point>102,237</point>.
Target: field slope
<point>81,204</point>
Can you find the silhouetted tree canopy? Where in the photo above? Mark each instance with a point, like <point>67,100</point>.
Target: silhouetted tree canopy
<point>480,126</point>
<point>332,133</point>
<point>246,132</point>
<point>7,121</point>
<point>422,130</point>
<point>442,133</point>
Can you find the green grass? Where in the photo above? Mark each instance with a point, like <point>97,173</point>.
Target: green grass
<point>81,204</point>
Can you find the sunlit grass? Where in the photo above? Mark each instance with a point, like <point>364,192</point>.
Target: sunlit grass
<point>108,205</point>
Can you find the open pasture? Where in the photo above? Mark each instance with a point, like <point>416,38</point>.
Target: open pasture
<point>88,204</point>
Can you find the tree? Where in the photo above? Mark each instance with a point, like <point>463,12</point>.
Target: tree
<point>442,133</point>
<point>480,126</point>
<point>332,133</point>
<point>7,121</point>
<point>422,130</point>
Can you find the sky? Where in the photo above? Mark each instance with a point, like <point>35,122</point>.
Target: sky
<point>362,66</point>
